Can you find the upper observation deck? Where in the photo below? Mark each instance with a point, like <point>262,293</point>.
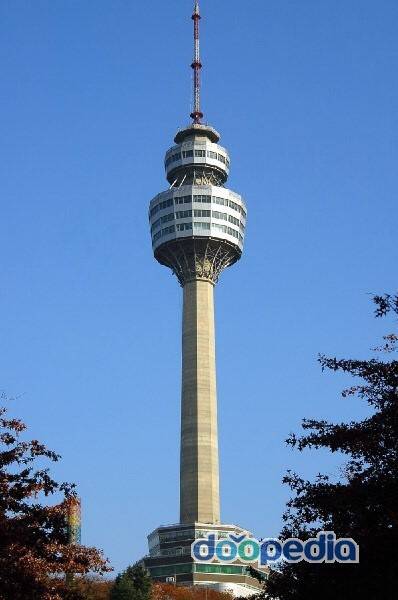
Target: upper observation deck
<point>196,150</point>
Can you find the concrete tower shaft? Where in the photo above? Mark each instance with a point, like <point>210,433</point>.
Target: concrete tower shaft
<point>199,471</point>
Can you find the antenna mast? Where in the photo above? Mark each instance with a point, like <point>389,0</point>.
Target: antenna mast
<point>197,114</point>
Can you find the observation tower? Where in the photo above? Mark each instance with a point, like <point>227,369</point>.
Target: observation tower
<point>197,229</point>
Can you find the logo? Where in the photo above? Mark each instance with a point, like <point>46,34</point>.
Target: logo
<point>324,548</point>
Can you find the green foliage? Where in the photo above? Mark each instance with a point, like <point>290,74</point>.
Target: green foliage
<point>132,584</point>
<point>363,503</point>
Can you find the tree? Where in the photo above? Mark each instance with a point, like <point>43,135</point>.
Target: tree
<point>363,502</point>
<point>132,584</point>
<point>34,550</point>
<point>167,591</point>
<point>93,587</point>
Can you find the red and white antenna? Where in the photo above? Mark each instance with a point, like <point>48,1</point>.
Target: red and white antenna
<point>197,114</point>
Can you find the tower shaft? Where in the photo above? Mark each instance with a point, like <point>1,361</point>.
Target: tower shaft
<point>199,476</point>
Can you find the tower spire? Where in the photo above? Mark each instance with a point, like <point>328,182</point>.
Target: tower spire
<point>197,114</point>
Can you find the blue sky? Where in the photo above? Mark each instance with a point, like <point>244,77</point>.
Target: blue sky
<point>305,95</point>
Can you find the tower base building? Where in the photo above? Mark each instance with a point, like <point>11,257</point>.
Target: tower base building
<point>170,560</point>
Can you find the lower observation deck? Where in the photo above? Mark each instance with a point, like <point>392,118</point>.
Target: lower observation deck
<point>197,211</point>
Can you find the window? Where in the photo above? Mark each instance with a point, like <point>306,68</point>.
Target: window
<point>242,226</point>
<point>228,230</point>
<point>168,217</point>
<point>221,158</point>
<point>219,215</point>
<point>187,153</point>
<point>211,154</point>
<point>171,552</point>
<point>209,568</point>
<point>183,214</point>
<point>221,201</point>
<point>233,220</point>
<point>218,227</point>
<point>201,213</point>
<point>198,225</point>
<point>201,153</point>
<point>168,230</point>
<point>176,157</point>
<point>157,236</point>
<point>234,206</point>
<point>183,200</point>
<point>201,198</point>
<point>165,204</point>
<point>184,226</point>
<point>173,535</point>
<point>155,225</point>
<point>233,232</point>
<point>161,206</point>
<point>171,570</point>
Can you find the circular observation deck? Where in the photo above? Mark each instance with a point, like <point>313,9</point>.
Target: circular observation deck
<point>191,211</point>
<point>196,148</point>
<point>197,230</point>
<point>196,154</point>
